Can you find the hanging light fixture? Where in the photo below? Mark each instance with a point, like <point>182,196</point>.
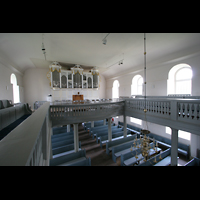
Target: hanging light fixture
<point>144,146</point>
<point>43,48</point>
<point>104,41</point>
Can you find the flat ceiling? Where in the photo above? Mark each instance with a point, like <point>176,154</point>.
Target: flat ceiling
<point>24,50</point>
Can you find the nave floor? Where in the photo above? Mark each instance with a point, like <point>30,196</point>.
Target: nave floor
<point>98,155</point>
<point>94,151</point>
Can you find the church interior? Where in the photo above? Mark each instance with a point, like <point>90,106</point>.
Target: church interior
<point>99,99</point>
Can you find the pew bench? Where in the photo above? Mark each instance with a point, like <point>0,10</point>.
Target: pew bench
<point>116,136</point>
<point>11,117</point>
<point>102,131</point>
<point>164,162</point>
<point>129,157</point>
<point>72,159</point>
<point>133,160</point>
<point>115,143</point>
<point>117,151</point>
<point>60,130</point>
<point>194,162</point>
<point>166,142</point>
<point>105,133</point>
<point>96,124</point>
<point>63,150</point>
<point>62,143</point>
<point>150,162</point>
<point>63,137</point>
<point>99,129</point>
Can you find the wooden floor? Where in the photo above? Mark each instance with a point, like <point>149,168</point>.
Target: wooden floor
<point>98,155</point>
<point>94,151</point>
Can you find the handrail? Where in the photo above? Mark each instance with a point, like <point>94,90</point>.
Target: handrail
<point>28,143</point>
<point>77,113</point>
<point>182,114</point>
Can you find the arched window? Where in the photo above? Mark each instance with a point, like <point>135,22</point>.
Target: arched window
<point>115,89</point>
<point>137,85</point>
<point>180,80</point>
<point>13,81</point>
<point>183,81</point>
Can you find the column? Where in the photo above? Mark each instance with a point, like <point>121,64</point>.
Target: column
<point>92,124</point>
<point>109,129</point>
<point>68,127</point>
<point>174,147</point>
<point>125,126</point>
<point>76,140</point>
<point>104,122</point>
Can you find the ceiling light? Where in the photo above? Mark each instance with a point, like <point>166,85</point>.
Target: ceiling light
<point>104,41</point>
<point>43,48</point>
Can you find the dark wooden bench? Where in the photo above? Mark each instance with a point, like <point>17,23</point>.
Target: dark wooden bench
<point>11,117</point>
<point>194,162</point>
<point>72,159</point>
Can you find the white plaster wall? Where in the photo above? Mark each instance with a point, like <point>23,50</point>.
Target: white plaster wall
<point>36,85</point>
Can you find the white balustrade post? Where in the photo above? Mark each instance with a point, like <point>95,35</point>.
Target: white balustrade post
<point>68,127</point>
<point>92,124</point>
<point>109,129</point>
<point>125,126</point>
<point>76,140</point>
<point>174,147</point>
<point>104,122</point>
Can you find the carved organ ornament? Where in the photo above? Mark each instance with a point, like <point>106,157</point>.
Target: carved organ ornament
<point>74,78</point>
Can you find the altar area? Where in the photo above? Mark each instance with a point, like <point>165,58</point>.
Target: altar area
<point>72,94</point>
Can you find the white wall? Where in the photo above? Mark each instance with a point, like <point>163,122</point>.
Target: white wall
<point>36,85</point>
<point>157,86</point>
<point>6,89</point>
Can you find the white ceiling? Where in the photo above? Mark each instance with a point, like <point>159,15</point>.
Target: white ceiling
<point>23,50</point>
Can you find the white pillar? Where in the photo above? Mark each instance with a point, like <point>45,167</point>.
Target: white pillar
<point>92,124</point>
<point>76,140</point>
<point>174,147</point>
<point>68,127</point>
<point>109,129</point>
<point>104,122</point>
<point>125,126</point>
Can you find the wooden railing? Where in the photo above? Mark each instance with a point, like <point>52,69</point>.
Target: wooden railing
<point>182,114</point>
<point>29,144</point>
<point>76,113</point>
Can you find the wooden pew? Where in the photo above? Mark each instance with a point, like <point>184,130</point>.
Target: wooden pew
<point>166,142</point>
<point>151,162</point>
<point>117,151</point>
<point>115,136</point>
<point>61,138</point>
<point>60,130</point>
<point>104,129</point>
<point>96,123</point>
<point>129,157</point>
<point>182,148</point>
<point>164,162</point>
<point>63,150</point>
<point>62,135</point>
<point>72,159</point>
<point>105,133</point>
<point>62,143</point>
<point>194,162</point>
<point>115,143</point>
